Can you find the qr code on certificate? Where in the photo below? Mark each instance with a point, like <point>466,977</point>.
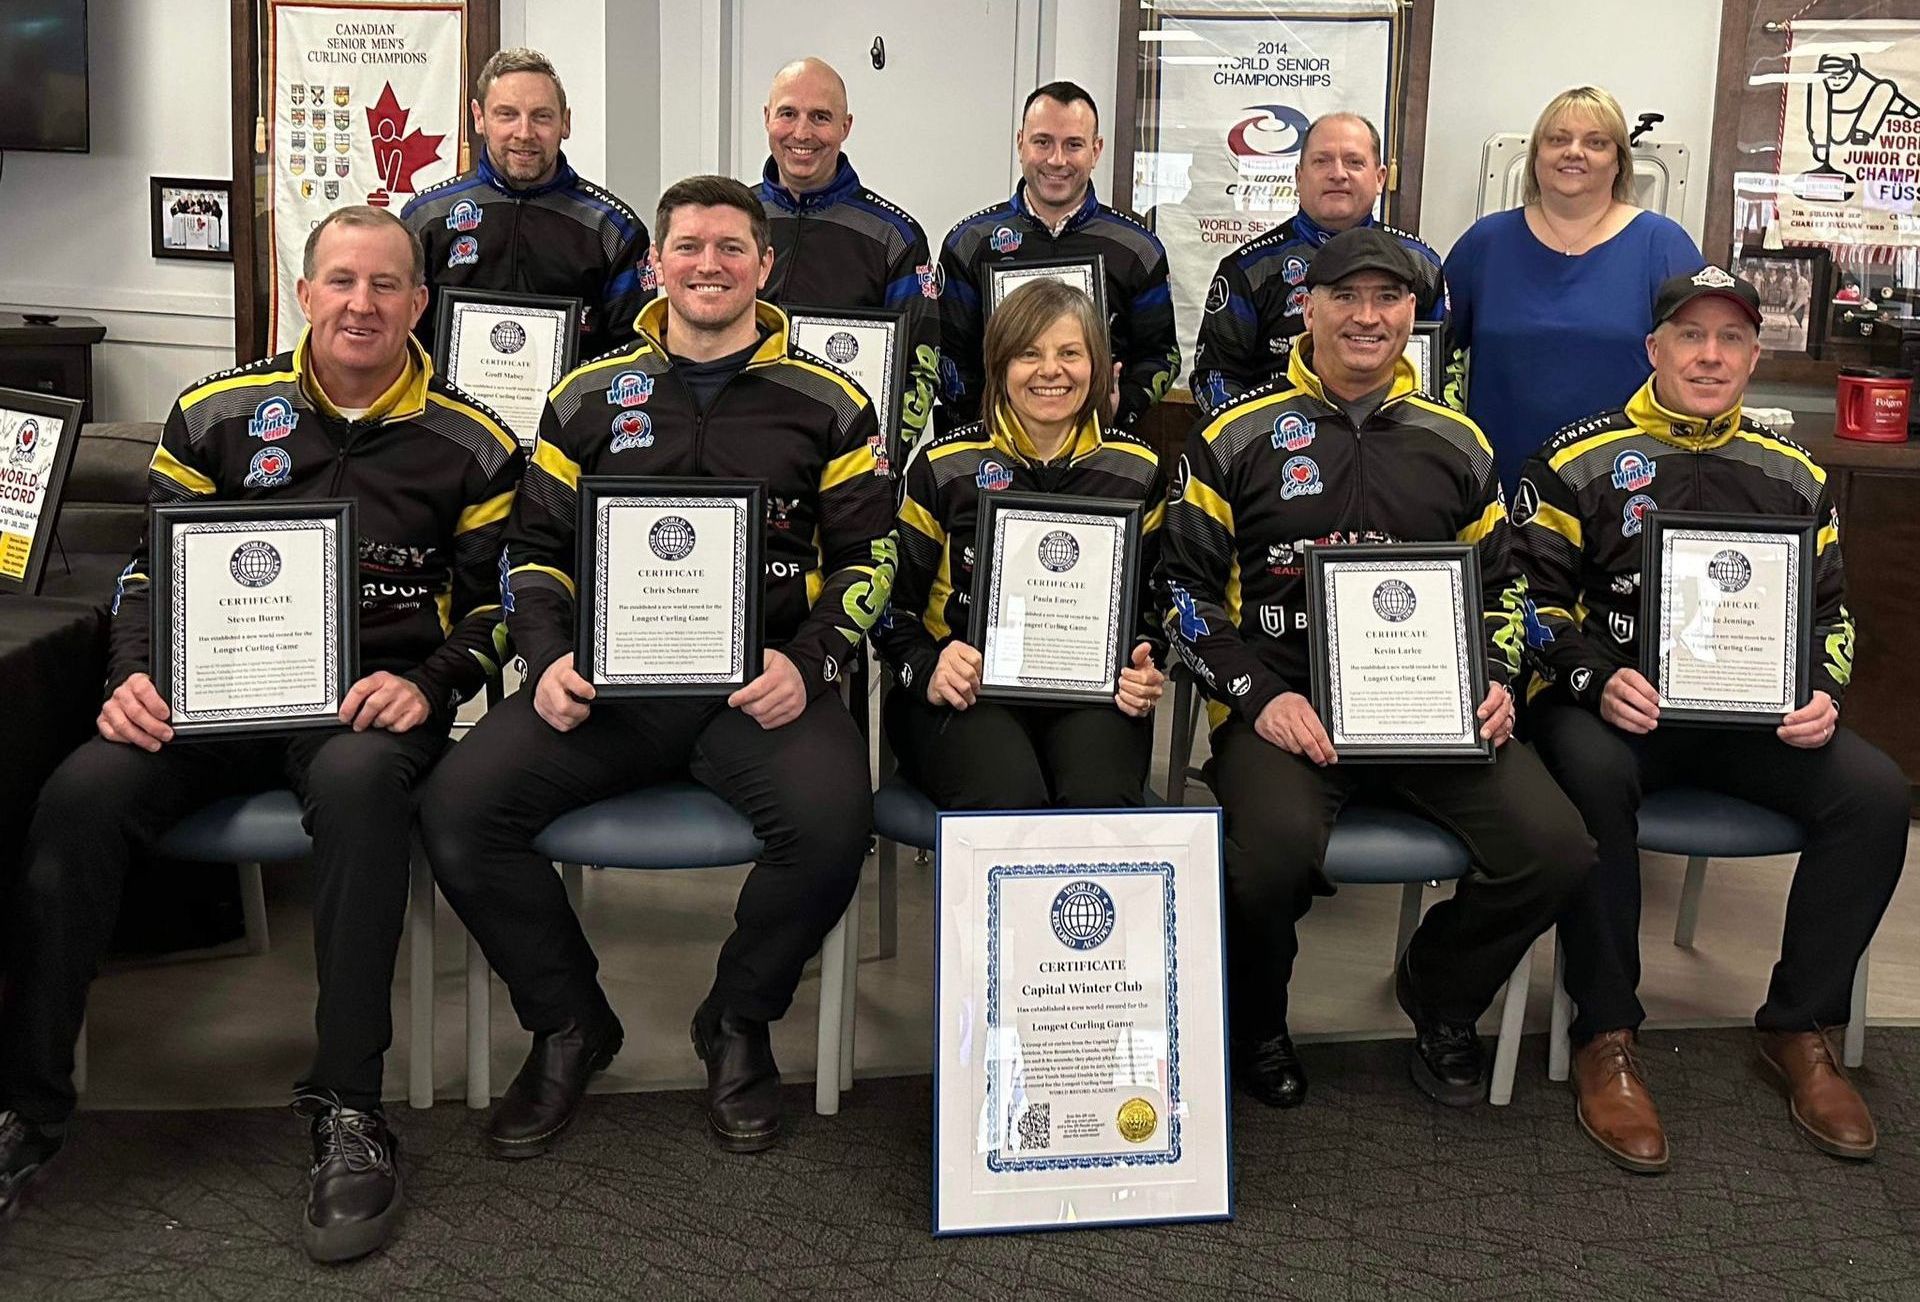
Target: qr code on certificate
<point>1036,1126</point>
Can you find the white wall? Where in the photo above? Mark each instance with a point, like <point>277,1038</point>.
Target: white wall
<point>1497,62</point>
<point>74,230</point>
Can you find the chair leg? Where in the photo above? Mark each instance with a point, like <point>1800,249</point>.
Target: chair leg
<point>80,1059</point>
<point>420,984</point>
<point>1559,1043</point>
<point>833,990</point>
<point>253,906</point>
<point>1689,915</point>
<point>479,1027</point>
<point>849,1000</point>
<point>1854,1049</point>
<point>573,877</point>
<point>1513,1018</point>
<point>889,898</point>
<point>1410,898</point>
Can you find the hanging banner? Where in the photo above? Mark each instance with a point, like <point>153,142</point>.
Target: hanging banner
<point>1227,106</point>
<point>1849,171</point>
<point>368,107</point>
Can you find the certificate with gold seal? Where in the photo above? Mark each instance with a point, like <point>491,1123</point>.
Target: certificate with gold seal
<point>1080,1071</point>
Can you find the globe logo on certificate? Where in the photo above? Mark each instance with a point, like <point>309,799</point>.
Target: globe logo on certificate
<point>1731,570</point>
<point>507,337</point>
<point>671,538</point>
<point>1082,915</point>
<point>254,564</point>
<point>1059,552</point>
<point>1393,601</point>
<point>842,347</point>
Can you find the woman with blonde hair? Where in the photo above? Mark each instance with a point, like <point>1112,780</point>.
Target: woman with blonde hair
<point>1551,302</point>
<point>1048,377</point>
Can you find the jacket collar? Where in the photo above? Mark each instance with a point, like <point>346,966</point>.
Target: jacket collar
<point>563,177</point>
<point>845,181</point>
<point>1077,218</point>
<point>1010,437</point>
<point>1307,229</point>
<point>1691,432</point>
<point>404,399</point>
<point>651,326</point>
<point>1301,375</point>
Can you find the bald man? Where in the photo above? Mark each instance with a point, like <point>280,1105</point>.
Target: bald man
<point>837,243</point>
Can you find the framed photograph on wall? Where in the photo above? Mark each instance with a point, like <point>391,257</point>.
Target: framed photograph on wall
<point>191,219</point>
<point>1795,287</point>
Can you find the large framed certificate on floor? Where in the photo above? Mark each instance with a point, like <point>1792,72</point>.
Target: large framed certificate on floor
<point>1080,1060</point>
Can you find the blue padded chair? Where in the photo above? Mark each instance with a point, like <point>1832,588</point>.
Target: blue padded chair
<point>265,828</point>
<point>1375,845</point>
<point>670,826</point>
<point>1703,825</point>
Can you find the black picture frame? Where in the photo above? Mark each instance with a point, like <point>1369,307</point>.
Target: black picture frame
<point>1426,336</point>
<point>1093,263</point>
<point>1321,630</point>
<point>1758,267</point>
<point>750,597</point>
<point>344,644</point>
<point>1126,606</point>
<point>1803,530</point>
<point>164,191</point>
<point>889,410</point>
<point>446,305</point>
<point>14,458</point>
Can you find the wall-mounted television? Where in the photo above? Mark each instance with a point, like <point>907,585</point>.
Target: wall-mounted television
<point>43,75</point>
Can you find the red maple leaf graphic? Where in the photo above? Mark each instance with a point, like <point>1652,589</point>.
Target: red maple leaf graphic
<point>397,155</point>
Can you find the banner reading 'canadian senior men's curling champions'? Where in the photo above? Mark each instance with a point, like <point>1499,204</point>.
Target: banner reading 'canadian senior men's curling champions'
<point>367,108</point>
<point>1234,99</point>
<point>1850,136</point>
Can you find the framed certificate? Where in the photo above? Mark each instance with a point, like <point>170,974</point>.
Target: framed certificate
<point>867,344</point>
<point>670,585</point>
<point>256,613</point>
<point>38,435</point>
<point>1726,615</point>
<point>507,350</point>
<point>1080,1057</point>
<point>1399,661</point>
<point>1054,584</point>
<point>1087,274</point>
<point>1423,350</point>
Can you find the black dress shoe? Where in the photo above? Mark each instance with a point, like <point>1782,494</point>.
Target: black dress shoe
<point>547,1091</point>
<point>353,1189</point>
<point>1447,1062</point>
<point>743,1082</point>
<point>1270,1070</point>
<point>25,1151</point>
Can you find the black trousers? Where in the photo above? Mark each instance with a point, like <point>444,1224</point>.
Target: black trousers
<point>1850,797</point>
<point>108,803</point>
<point>1529,855</point>
<point>805,786</point>
<point>995,755</point>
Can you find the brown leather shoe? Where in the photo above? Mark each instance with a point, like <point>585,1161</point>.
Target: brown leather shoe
<point>1820,1098</point>
<point>1614,1106</point>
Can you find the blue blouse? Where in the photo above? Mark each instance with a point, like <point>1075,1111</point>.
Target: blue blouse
<point>1553,338</point>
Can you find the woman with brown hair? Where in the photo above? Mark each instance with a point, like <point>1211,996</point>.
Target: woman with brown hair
<point>1048,377</point>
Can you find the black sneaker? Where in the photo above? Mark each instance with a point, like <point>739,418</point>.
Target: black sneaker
<point>1270,1070</point>
<point>1447,1063</point>
<point>25,1151</point>
<point>353,1198</point>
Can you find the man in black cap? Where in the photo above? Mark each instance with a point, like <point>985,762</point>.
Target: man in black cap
<point>1271,474</point>
<point>1682,444</point>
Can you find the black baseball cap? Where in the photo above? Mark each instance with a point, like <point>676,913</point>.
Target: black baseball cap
<point>1364,248</point>
<point>1710,281</point>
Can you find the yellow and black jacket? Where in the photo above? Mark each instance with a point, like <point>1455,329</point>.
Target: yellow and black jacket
<point>1282,468</point>
<point>940,517</point>
<point>1580,509</point>
<point>432,473</point>
<point>787,419</point>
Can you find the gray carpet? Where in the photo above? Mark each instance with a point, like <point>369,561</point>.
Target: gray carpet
<point>1367,1192</point>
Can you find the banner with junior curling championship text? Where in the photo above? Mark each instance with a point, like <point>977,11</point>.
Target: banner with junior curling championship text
<point>1228,101</point>
<point>368,107</point>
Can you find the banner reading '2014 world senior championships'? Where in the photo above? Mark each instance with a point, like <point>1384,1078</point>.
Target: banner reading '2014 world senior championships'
<point>1235,97</point>
<point>367,108</point>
